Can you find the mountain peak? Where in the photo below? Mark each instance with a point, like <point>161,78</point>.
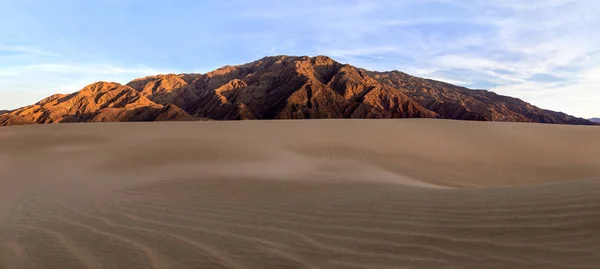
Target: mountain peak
<point>317,60</point>
<point>102,86</point>
<point>323,60</point>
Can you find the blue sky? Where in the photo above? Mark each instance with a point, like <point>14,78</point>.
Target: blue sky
<point>546,52</point>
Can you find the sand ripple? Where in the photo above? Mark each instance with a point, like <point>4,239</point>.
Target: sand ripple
<point>288,203</point>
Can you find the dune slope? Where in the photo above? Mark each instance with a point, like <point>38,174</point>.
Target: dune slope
<point>300,194</point>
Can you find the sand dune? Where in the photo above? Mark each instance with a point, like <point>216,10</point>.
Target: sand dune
<point>300,194</point>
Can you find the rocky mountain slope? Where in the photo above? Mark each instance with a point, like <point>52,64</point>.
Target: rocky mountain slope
<point>281,87</point>
<point>454,102</point>
<point>597,120</point>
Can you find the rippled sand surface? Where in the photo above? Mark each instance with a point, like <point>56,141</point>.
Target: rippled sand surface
<point>300,194</point>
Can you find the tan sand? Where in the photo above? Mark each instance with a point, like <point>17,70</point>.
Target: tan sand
<point>300,194</point>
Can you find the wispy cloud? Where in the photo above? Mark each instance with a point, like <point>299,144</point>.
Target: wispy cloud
<point>27,50</point>
<point>25,84</point>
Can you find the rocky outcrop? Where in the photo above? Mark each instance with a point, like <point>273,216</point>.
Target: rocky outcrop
<point>298,88</point>
<point>281,87</point>
<point>98,102</point>
<point>454,102</point>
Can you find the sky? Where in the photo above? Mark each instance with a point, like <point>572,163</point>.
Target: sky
<point>546,52</point>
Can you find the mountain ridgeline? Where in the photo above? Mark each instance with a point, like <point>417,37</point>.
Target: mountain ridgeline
<point>281,87</point>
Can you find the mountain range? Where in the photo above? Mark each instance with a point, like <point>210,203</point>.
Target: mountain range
<point>281,87</point>
<point>597,120</point>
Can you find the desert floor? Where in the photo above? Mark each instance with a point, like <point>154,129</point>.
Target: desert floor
<point>300,194</point>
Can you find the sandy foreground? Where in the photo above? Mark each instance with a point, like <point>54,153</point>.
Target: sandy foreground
<point>300,194</point>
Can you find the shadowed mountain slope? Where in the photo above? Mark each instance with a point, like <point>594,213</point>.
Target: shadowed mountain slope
<point>455,102</point>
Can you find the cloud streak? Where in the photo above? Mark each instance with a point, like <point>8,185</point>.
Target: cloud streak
<point>26,84</point>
